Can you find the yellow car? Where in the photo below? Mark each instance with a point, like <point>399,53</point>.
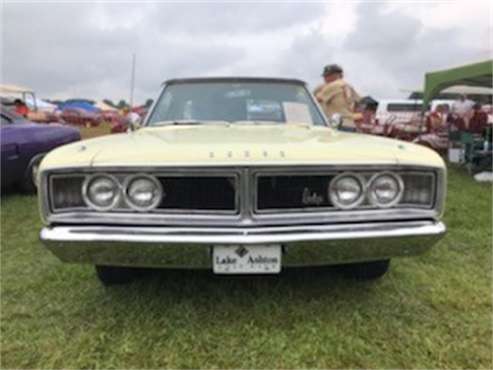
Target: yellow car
<point>241,176</point>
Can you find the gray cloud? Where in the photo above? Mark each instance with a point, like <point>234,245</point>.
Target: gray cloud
<point>84,49</point>
<point>403,48</point>
<point>229,18</point>
<point>378,31</point>
<point>64,50</point>
<point>386,51</point>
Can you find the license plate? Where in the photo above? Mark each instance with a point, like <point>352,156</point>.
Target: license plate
<point>246,259</point>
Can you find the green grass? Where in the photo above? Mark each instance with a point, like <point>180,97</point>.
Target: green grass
<point>90,132</point>
<point>433,311</point>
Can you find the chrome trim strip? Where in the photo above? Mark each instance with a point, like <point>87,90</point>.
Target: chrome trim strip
<point>156,219</point>
<point>259,235</point>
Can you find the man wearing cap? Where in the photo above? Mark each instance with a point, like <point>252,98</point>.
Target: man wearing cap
<point>337,96</point>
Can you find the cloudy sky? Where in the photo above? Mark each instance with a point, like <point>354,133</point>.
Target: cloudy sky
<point>83,49</point>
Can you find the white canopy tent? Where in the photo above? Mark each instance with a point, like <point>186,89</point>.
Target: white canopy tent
<point>12,90</point>
<point>469,90</point>
<point>459,89</point>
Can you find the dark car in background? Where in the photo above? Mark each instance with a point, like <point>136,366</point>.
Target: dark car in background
<point>23,145</point>
<point>81,117</point>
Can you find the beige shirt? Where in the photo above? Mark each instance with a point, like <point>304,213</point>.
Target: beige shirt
<point>338,97</point>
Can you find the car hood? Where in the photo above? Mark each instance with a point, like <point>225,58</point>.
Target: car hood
<point>229,145</point>
<point>41,131</point>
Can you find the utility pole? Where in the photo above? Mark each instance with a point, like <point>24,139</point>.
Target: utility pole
<point>132,81</point>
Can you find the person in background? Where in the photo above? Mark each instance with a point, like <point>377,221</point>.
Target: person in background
<point>478,121</point>
<point>462,108</point>
<point>337,96</point>
<point>445,113</point>
<point>124,111</point>
<point>130,116</point>
<point>21,108</point>
<point>369,114</point>
<point>488,109</point>
<point>437,120</point>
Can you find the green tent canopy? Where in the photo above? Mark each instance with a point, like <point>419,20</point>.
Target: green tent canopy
<point>477,74</point>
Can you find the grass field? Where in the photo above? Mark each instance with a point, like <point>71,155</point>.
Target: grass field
<point>90,132</point>
<point>433,311</point>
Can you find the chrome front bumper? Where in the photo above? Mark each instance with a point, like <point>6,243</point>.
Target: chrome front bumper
<point>191,246</point>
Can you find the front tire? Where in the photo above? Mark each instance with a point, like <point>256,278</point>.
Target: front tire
<point>113,275</point>
<point>28,184</point>
<point>366,270</point>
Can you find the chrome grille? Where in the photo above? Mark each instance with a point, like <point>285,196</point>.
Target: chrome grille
<point>238,196</point>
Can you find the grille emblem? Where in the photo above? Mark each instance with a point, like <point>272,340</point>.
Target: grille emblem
<point>311,198</point>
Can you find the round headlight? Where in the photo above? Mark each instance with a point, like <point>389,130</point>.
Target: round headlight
<point>101,192</point>
<point>346,190</point>
<point>143,192</point>
<point>385,189</point>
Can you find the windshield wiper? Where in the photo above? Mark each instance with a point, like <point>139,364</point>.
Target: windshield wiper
<point>178,122</point>
<point>248,122</point>
<point>277,123</point>
<point>186,122</point>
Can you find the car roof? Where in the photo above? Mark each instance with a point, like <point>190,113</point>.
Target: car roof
<point>234,79</point>
<point>401,101</point>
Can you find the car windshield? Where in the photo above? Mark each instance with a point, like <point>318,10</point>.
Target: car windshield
<point>235,102</point>
<point>7,116</point>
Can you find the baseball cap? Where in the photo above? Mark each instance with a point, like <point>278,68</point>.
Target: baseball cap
<point>331,68</point>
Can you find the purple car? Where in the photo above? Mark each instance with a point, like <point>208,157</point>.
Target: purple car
<point>23,145</point>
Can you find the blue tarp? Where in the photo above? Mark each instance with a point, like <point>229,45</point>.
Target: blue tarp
<point>81,104</point>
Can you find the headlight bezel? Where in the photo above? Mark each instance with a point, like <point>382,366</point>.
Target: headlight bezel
<point>90,203</point>
<point>333,196</point>
<point>126,186</point>
<point>372,198</point>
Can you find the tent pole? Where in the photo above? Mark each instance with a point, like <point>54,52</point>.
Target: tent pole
<point>132,81</point>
